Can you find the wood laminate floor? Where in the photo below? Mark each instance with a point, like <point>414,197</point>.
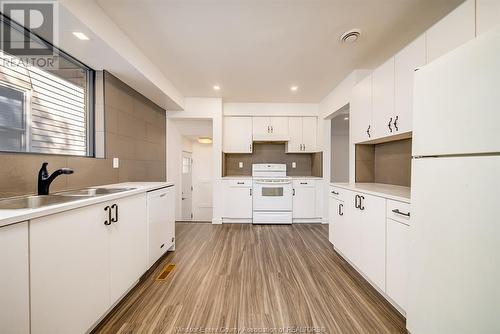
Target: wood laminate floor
<point>254,277</point>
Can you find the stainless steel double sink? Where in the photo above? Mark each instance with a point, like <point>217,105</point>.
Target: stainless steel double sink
<point>38,201</point>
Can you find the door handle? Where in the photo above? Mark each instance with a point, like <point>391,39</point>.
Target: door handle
<point>396,211</point>
<point>396,123</point>
<point>115,219</point>
<point>389,125</point>
<point>341,206</point>
<point>361,198</point>
<point>108,210</point>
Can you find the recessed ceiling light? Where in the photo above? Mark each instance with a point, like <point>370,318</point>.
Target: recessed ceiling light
<point>294,88</point>
<point>346,118</point>
<point>80,35</point>
<point>205,140</point>
<point>350,37</point>
<point>216,87</point>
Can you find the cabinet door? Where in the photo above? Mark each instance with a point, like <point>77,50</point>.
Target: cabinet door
<point>331,218</point>
<point>238,135</point>
<point>160,222</point>
<point>453,30</point>
<point>261,128</point>
<point>304,199</point>
<point>351,240</point>
<point>487,15</point>
<point>69,269</point>
<point>361,111</point>
<point>309,134</point>
<point>127,244</point>
<point>341,236</point>
<point>406,61</point>
<point>383,100</point>
<point>294,145</point>
<point>279,128</point>
<point>372,238</point>
<point>14,279</point>
<point>237,200</point>
<point>397,261</point>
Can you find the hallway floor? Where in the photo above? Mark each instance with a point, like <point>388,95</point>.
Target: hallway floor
<point>254,277</point>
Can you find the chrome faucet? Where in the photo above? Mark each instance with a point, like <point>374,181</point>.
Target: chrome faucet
<point>44,180</point>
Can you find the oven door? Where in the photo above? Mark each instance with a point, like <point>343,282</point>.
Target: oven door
<point>272,195</point>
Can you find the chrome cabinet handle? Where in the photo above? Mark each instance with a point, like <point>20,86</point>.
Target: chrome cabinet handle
<point>304,147</point>
<point>356,205</point>
<point>368,131</point>
<point>250,191</point>
<point>334,192</point>
<point>268,129</point>
<point>389,125</point>
<point>361,198</point>
<point>293,192</point>
<point>108,221</point>
<point>272,129</point>
<point>341,206</point>
<point>406,214</point>
<point>240,182</point>
<point>396,123</point>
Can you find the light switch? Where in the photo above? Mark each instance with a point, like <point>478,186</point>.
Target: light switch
<point>294,164</point>
<point>240,164</point>
<point>116,162</point>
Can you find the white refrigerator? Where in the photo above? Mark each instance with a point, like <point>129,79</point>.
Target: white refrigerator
<point>454,284</point>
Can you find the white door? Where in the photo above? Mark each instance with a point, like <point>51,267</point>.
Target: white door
<point>261,128</point>
<point>294,145</point>
<point>69,270</point>
<point>487,15</point>
<point>127,243</point>
<point>187,186</point>
<point>304,199</point>
<point>237,199</point>
<point>202,182</point>
<point>309,133</point>
<point>238,134</point>
<point>383,100</point>
<point>372,214</point>
<point>161,218</point>
<point>361,111</point>
<point>14,279</point>
<point>457,99</point>
<point>453,30</point>
<point>406,61</point>
<point>398,239</point>
<point>279,128</point>
<point>455,235</point>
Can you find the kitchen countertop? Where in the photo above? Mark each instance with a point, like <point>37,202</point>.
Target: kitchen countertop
<point>397,193</point>
<point>8,217</point>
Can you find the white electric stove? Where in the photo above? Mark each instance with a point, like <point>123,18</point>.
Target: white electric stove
<point>272,194</point>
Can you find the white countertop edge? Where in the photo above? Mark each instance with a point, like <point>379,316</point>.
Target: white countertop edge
<point>9,217</point>
<point>397,193</point>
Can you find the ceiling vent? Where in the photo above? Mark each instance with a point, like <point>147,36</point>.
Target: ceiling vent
<point>350,37</point>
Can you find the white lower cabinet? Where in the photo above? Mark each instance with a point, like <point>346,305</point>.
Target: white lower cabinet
<point>14,279</point>
<point>397,261</point>
<point>304,199</point>
<point>237,194</point>
<point>82,261</point>
<point>161,223</point>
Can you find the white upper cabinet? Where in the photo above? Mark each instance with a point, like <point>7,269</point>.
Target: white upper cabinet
<point>303,135</point>
<point>406,61</point>
<point>238,134</point>
<point>383,100</point>
<point>487,15</point>
<point>361,111</point>
<point>14,279</point>
<point>453,30</point>
<point>270,128</point>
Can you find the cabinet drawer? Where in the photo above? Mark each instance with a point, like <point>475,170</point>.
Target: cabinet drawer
<point>338,193</point>
<point>398,211</point>
<point>301,183</point>
<point>245,183</point>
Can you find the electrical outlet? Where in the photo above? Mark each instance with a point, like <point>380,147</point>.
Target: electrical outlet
<point>294,164</point>
<point>240,164</point>
<point>116,162</point>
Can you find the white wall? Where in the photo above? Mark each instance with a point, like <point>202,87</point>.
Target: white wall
<point>339,162</point>
<point>174,159</point>
<point>202,182</point>
<point>196,109</point>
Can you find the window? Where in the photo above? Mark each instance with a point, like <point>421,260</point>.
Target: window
<point>45,110</point>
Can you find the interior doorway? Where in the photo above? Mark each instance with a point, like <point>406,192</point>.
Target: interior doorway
<point>339,163</point>
<point>187,186</point>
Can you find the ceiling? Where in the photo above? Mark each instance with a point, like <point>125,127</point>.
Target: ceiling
<point>257,49</point>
